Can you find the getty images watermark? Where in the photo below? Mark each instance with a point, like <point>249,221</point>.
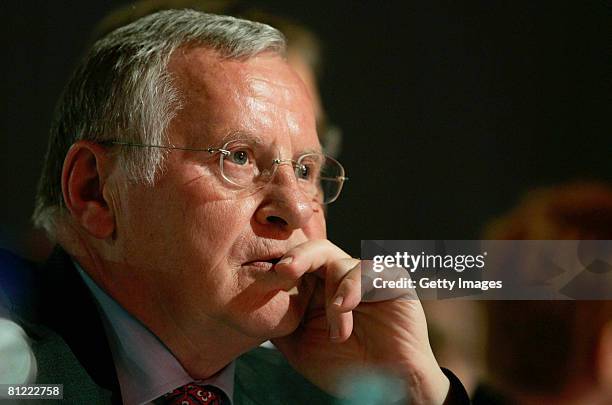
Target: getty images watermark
<point>487,269</point>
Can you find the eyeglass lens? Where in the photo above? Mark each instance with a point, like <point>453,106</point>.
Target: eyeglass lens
<point>251,166</point>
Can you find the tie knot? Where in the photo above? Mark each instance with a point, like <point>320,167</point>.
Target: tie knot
<point>195,394</point>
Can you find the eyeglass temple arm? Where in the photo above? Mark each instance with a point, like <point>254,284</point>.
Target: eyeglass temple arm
<point>142,145</point>
<point>341,178</point>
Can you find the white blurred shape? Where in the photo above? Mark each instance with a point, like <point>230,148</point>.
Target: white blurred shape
<point>17,362</point>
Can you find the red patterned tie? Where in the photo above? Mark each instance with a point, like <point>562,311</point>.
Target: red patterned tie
<point>193,394</point>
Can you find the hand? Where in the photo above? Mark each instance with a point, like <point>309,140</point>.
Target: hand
<point>341,333</point>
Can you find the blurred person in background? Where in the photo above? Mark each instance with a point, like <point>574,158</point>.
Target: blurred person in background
<point>551,352</point>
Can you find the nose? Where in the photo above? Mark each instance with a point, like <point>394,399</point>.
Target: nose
<point>285,207</point>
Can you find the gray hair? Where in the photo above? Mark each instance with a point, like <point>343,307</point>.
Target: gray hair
<point>122,90</point>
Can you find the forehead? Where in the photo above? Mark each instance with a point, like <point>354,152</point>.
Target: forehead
<point>261,96</point>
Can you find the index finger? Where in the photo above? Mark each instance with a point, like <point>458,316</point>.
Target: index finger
<point>308,257</point>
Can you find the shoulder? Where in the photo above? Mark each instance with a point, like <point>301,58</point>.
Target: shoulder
<point>34,310</point>
<point>263,376</point>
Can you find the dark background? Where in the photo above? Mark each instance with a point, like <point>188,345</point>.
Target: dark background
<point>450,110</point>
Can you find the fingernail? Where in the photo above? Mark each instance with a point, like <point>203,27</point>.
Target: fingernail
<point>338,300</point>
<point>334,332</point>
<point>286,260</point>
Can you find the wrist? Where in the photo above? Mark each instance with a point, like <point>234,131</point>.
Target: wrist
<point>426,383</point>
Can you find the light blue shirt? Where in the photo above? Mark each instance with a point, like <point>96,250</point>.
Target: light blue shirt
<point>146,369</point>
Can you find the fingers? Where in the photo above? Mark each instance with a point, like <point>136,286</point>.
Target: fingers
<point>343,294</point>
<point>373,284</point>
<point>308,257</point>
<point>343,284</point>
<point>342,276</point>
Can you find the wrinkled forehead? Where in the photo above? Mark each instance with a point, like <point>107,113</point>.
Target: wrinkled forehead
<point>260,95</point>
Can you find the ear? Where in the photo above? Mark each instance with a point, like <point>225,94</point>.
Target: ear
<point>86,168</point>
<point>604,355</point>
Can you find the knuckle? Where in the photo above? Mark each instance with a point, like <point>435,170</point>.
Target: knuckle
<point>350,284</point>
<point>292,271</point>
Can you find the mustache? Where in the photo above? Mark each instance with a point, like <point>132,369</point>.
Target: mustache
<point>265,249</point>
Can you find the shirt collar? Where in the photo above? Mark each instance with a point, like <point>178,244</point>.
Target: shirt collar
<point>146,369</point>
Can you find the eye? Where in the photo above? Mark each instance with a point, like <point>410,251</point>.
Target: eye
<point>302,171</point>
<point>308,168</point>
<point>239,157</point>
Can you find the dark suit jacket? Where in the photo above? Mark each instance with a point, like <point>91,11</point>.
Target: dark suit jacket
<point>55,308</point>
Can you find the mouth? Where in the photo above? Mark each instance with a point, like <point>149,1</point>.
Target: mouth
<point>263,264</point>
<point>265,267</point>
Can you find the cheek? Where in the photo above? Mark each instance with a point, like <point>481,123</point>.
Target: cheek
<point>202,210</point>
<point>201,255</point>
<point>317,228</point>
<point>184,224</point>
<point>215,227</point>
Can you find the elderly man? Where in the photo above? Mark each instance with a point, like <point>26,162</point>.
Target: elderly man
<point>185,185</point>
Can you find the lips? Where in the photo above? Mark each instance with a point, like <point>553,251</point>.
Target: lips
<point>264,263</point>
<point>263,254</point>
<point>274,260</point>
<point>263,268</point>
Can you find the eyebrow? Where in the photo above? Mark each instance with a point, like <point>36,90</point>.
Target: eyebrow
<point>311,151</point>
<point>237,135</point>
<point>242,135</point>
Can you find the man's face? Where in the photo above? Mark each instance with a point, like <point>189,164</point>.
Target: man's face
<point>205,247</point>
